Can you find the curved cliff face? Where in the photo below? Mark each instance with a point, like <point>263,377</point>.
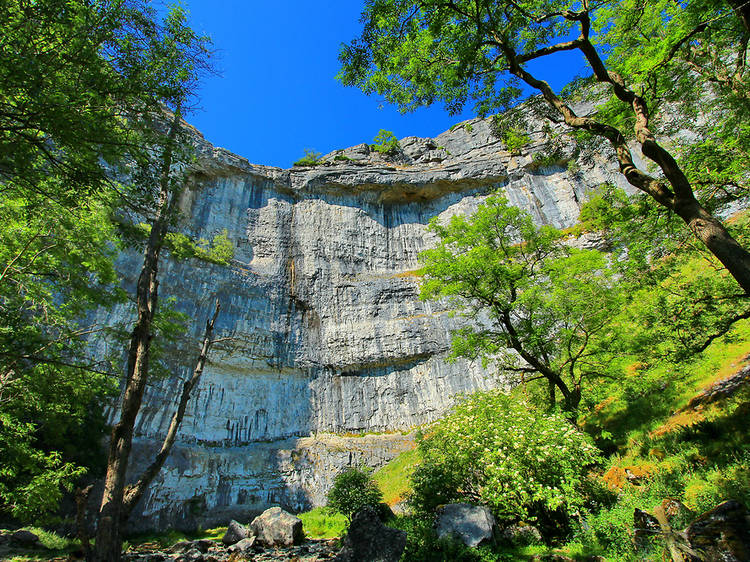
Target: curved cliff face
<point>321,302</point>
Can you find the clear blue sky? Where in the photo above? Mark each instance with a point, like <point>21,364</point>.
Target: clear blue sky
<point>276,92</point>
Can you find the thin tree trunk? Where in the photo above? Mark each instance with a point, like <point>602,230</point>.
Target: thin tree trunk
<point>135,492</point>
<point>108,535</point>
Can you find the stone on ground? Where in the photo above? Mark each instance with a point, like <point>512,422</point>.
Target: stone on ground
<point>276,527</point>
<point>368,539</point>
<point>521,535</point>
<point>243,547</point>
<point>473,525</point>
<point>235,533</point>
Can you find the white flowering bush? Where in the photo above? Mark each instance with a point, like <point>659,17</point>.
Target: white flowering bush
<point>504,453</point>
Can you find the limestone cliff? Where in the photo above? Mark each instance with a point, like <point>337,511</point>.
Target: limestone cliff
<point>321,301</point>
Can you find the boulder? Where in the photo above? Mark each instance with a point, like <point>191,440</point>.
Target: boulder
<point>24,538</point>
<point>722,534</point>
<point>243,547</point>
<point>368,539</point>
<point>235,533</point>
<point>473,525</point>
<point>520,535</point>
<point>276,527</point>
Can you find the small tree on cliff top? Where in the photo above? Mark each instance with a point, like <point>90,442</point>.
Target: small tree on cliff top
<point>416,52</point>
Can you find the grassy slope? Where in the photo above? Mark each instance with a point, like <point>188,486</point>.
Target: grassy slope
<point>393,478</point>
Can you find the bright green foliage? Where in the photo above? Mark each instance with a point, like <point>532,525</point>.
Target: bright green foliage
<point>219,251</point>
<point>385,142</point>
<point>323,523</point>
<point>548,305</point>
<point>57,265</point>
<point>393,479</point>
<point>515,140</point>
<point>83,86</point>
<point>353,489</point>
<point>504,453</point>
<point>679,297</point>
<point>693,56</point>
<point>311,158</point>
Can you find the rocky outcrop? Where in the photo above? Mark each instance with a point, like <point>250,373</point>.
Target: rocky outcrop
<point>327,334</point>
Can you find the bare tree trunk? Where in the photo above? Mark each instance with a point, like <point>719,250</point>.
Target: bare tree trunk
<point>108,535</point>
<point>709,230</point>
<point>134,492</point>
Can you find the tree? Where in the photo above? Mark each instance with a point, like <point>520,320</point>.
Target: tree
<point>87,89</point>
<point>353,488</point>
<point>70,73</point>
<point>537,306</point>
<point>416,52</point>
<point>159,176</point>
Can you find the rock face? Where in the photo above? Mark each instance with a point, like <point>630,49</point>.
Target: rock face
<point>328,335</point>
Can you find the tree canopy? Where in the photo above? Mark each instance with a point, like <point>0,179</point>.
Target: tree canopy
<point>537,305</point>
<point>417,52</point>
<point>83,91</point>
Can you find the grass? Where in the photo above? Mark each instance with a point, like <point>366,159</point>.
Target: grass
<point>166,539</point>
<point>323,523</point>
<point>393,478</point>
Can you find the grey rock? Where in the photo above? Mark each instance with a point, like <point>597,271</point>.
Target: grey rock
<point>192,555</point>
<point>722,533</point>
<point>645,527</point>
<point>24,538</point>
<point>520,535</point>
<point>243,547</point>
<point>235,533</point>
<point>368,539</point>
<point>276,527</point>
<point>473,525</point>
<point>181,546</point>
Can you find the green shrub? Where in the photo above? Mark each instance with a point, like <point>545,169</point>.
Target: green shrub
<point>353,489</point>
<point>343,158</point>
<point>385,142</point>
<point>219,251</point>
<point>311,158</point>
<point>515,139</point>
<point>502,452</point>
